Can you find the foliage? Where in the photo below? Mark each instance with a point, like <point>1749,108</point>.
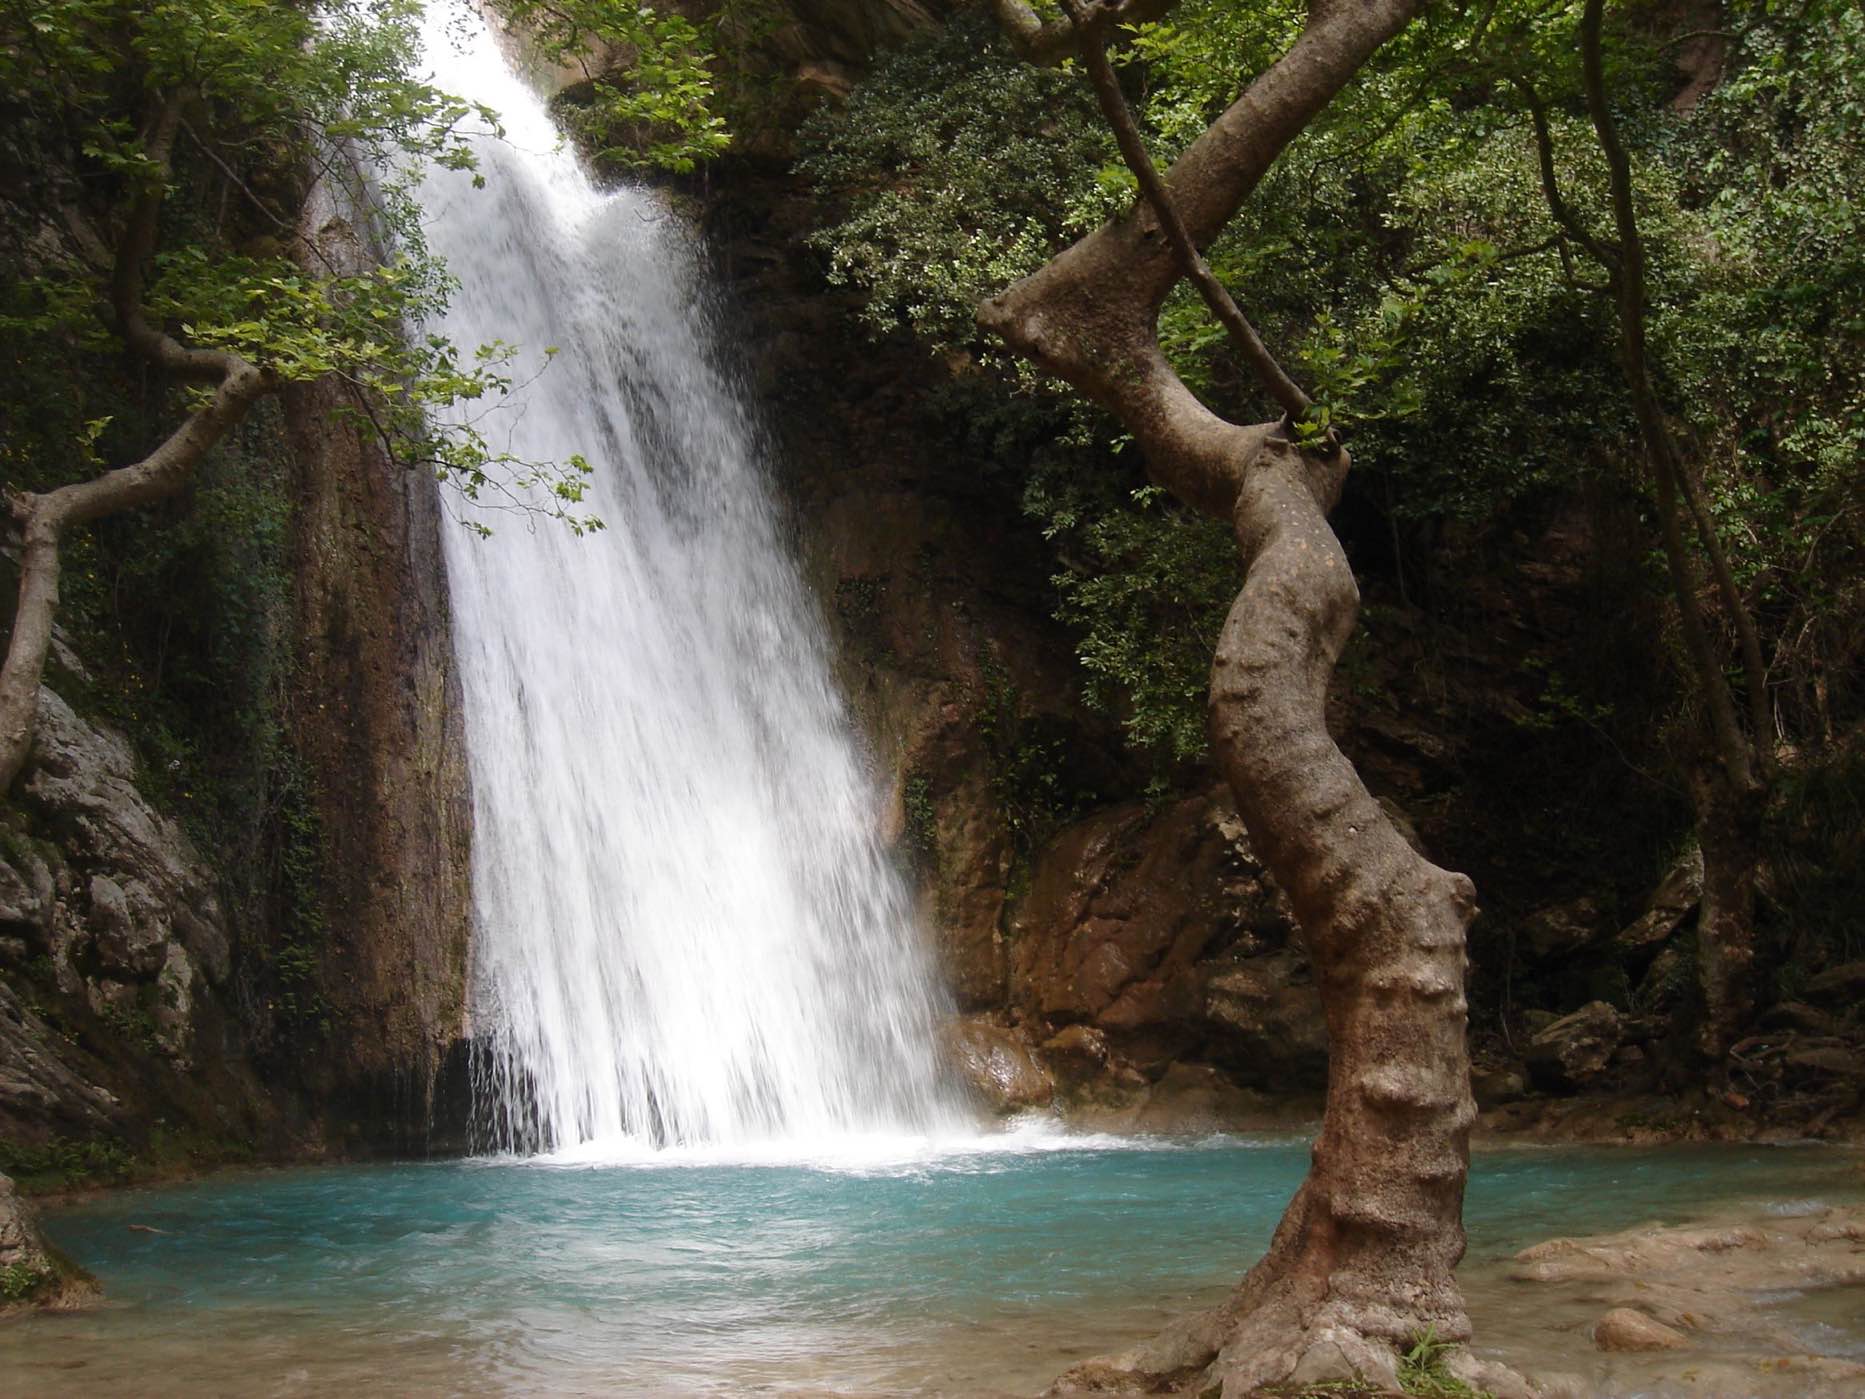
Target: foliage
<point>1146,585</point>
<point>647,99</point>
<point>960,169</point>
<point>1030,772</point>
<point>21,1281</point>
<point>1402,258</point>
<point>63,1163</point>
<point>266,93</point>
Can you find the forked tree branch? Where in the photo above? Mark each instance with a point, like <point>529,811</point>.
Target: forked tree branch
<point>43,517</point>
<point>1090,26</point>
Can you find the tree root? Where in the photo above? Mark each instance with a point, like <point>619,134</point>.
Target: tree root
<point>1278,1347</point>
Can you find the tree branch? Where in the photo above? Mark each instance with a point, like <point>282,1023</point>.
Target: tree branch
<point>1090,315</point>
<point>1046,45</point>
<point>43,519</point>
<point>1089,33</point>
<point>1603,252</point>
<point>1668,460</point>
<point>133,253</point>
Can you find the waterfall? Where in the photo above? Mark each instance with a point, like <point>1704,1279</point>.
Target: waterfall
<point>687,931</point>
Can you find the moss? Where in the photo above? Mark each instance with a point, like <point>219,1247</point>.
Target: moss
<point>921,818</point>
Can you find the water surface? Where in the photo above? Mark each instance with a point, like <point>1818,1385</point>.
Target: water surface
<point>892,1268</point>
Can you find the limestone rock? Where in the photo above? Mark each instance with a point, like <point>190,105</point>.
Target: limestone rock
<point>26,892</point>
<point>996,1062</point>
<point>1495,1086</point>
<point>1622,1328</point>
<point>1159,930</point>
<point>1270,1010</point>
<point>1577,1049</point>
<point>1075,1054</point>
<point>130,940</point>
<point>37,1275</point>
<point>117,913</point>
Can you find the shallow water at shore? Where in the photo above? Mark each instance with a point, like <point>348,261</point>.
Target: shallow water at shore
<point>870,1268</point>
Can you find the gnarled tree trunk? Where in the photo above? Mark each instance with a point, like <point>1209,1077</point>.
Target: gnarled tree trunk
<point>1363,1259</point>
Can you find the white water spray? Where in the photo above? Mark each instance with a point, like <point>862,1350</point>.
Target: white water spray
<point>687,932</point>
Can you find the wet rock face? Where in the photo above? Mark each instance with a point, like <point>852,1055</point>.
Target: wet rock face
<point>379,726</point>
<point>1151,938</point>
<point>997,1065</point>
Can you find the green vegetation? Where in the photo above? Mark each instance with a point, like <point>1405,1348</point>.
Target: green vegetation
<point>1424,1371</point>
<point>647,96</point>
<point>1405,260</point>
<point>21,1282</point>
<point>1470,361</point>
<point>64,1163</point>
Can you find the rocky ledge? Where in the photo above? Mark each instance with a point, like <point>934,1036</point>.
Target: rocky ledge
<point>32,1272</point>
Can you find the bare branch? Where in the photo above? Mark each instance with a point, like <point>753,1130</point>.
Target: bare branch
<point>1603,252</point>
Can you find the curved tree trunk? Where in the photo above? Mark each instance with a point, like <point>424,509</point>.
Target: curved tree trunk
<point>43,519</point>
<point>1364,1257</point>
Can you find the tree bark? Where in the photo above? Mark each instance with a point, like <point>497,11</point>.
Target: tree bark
<point>1729,833</point>
<point>43,518</point>
<point>1363,1259</point>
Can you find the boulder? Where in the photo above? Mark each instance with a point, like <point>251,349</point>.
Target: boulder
<point>1673,901</point>
<point>1577,1049</point>
<point>1076,1054</point>
<point>1623,1329</point>
<point>1502,1084</point>
<point>1266,1016</point>
<point>1560,931</point>
<point>997,1064</point>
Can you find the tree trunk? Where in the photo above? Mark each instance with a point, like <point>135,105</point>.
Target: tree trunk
<point>1364,1257</point>
<point>43,519</point>
<point>1729,832</point>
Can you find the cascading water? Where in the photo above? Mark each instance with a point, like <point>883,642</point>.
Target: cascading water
<point>687,931</point>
